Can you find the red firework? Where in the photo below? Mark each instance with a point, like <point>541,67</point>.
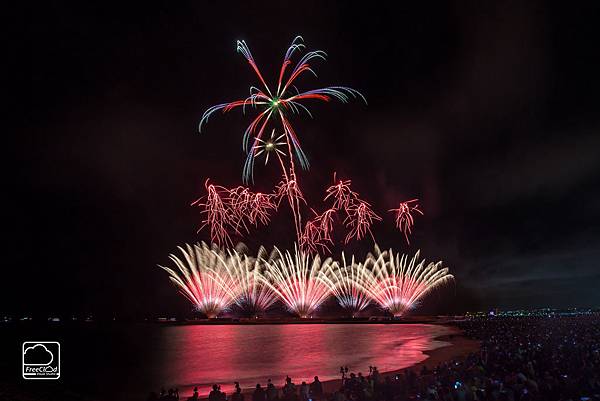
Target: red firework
<point>317,232</point>
<point>359,220</point>
<point>288,188</point>
<point>404,217</point>
<point>341,194</point>
<point>260,204</point>
<point>228,211</point>
<point>217,215</point>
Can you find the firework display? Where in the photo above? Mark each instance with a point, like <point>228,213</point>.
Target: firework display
<point>275,105</point>
<point>404,218</point>
<point>298,281</point>
<point>244,274</point>
<point>216,278</point>
<point>397,283</point>
<point>347,281</point>
<point>202,279</point>
<point>228,210</point>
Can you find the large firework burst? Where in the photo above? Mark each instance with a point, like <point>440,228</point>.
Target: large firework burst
<point>202,279</point>
<point>299,281</point>
<point>244,273</point>
<point>276,103</point>
<point>347,281</point>
<point>397,283</point>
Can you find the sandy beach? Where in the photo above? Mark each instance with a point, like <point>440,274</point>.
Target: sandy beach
<point>460,346</point>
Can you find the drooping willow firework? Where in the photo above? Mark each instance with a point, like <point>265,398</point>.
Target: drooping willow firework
<point>404,218</point>
<point>202,278</point>
<point>277,104</point>
<point>226,210</point>
<point>299,281</point>
<point>397,283</point>
<point>359,216</point>
<point>347,284</point>
<point>253,296</point>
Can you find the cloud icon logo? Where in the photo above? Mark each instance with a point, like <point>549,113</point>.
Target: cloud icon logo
<point>38,355</point>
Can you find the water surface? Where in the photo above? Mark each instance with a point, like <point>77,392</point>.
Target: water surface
<point>126,361</point>
<point>203,355</point>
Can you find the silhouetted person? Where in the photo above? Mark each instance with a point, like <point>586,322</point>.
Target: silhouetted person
<point>222,395</point>
<point>304,392</point>
<point>289,390</point>
<point>237,395</point>
<point>215,394</point>
<point>375,375</point>
<point>259,394</point>
<point>194,396</point>
<point>271,391</point>
<point>316,389</point>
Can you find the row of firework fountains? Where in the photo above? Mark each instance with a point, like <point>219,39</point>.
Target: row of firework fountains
<point>215,280</point>
<point>218,276</point>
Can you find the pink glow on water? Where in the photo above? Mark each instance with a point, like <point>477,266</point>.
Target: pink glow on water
<point>204,355</point>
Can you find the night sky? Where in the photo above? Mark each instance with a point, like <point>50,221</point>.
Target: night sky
<point>489,113</point>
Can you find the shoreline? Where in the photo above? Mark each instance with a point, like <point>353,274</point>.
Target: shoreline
<point>459,347</point>
<point>287,321</point>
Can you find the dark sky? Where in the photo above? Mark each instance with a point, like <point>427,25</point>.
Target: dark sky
<point>489,113</point>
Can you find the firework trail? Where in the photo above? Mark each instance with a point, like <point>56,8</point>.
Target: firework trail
<point>347,284</point>
<point>341,194</point>
<point>298,280</point>
<point>244,275</point>
<point>289,189</point>
<point>259,206</point>
<point>217,214</point>
<point>404,217</point>
<point>254,207</point>
<point>310,240</point>
<point>359,214</point>
<point>226,211</point>
<point>397,283</point>
<point>317,232</point>
<point>201,279</point>
<point>275,104</point>
<point>359,220</point>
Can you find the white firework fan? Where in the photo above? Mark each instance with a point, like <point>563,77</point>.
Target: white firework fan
<point>298,280</point>
<point>398,283</point>
<point>245,277</point>
<point>199,277</point>
<point>347,284</point>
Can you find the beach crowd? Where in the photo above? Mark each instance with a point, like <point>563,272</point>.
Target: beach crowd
<point>520,359</point>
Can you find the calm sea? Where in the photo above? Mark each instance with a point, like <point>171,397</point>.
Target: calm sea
<point>126,362</point>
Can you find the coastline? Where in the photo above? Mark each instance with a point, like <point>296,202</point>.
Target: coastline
<point>459,347</point>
